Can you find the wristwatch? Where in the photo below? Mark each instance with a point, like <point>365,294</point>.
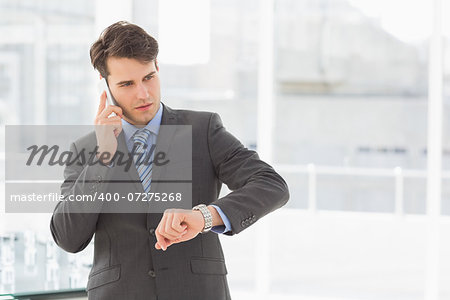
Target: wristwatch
<point>206,216</point>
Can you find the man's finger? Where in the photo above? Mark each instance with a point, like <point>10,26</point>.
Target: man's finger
<point>159,236</point>
<point>168,226</point>
<point>108,110</point>
<point>110,120</point>
<point>165,226</point>
<point>176,224</point>
<point>115,118</point>
<point>160,241</point>
<point>158,246</point>
<point>115,123</point>
<point>162,236</point>
<point>102,103</point>
<point>174,233</point>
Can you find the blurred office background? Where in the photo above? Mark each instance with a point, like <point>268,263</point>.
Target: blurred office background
<point>339,95</point>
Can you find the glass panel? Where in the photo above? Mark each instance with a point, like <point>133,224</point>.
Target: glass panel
<point>227,82</point>
<point>415,192</point>
<point>298,189</point>
<point>45,78</point>
<point>446,112</point>
<point>355,193</point>
<point>351,80</point>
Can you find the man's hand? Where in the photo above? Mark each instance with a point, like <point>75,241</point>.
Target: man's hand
<point>107,135</point>
<point>180,225</point>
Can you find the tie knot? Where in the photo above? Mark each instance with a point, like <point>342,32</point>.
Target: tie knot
<point>141,136</point>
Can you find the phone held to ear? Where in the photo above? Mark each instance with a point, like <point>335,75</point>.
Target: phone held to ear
<point>103,86</point>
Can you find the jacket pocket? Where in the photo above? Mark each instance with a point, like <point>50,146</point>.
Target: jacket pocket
<point>203,265</point>
<point>103,276</point>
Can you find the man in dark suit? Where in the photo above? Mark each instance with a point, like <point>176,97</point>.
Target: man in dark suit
<point>146,254</point>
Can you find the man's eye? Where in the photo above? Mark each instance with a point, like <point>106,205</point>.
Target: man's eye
<point>126,84</point>
<point>149,77</point>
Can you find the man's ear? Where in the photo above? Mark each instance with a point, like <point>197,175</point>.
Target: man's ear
<point>100,76</point>
<point>156,65</point>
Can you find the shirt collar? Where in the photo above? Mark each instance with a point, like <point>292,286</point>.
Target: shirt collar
<point>154,124</point>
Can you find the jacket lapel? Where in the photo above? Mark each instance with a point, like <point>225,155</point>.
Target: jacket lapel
<point>163,143</point>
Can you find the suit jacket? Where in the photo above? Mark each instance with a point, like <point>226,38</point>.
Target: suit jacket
<point>126,264</point>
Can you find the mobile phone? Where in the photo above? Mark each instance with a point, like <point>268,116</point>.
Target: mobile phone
<point>103,86</point>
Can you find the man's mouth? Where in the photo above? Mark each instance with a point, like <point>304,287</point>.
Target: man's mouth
<point>144,107</point>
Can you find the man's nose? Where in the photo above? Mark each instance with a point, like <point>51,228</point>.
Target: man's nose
<point>142,92</point>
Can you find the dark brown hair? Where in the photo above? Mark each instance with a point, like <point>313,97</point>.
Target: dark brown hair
<point>122,39</point>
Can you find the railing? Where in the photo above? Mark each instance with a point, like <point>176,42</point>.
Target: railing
<point>312,171</point>
<point>397,174</point>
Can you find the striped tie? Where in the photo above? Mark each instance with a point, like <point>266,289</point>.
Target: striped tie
<point>143,166</point>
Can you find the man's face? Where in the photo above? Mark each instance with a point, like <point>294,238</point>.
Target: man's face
<point>136,87</point>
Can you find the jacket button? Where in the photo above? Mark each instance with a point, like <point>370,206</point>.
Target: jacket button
<point>152,273</point>
<point>152,231</point>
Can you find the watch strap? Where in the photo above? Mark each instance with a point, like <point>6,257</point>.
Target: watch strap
<point>206,216</point>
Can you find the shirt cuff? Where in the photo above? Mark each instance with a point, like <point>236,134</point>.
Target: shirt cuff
<point>222,228</point>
